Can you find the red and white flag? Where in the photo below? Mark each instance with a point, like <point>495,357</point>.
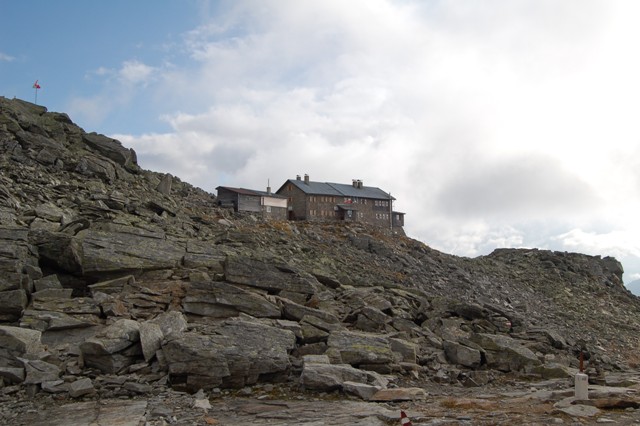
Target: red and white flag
<point>36,85</point>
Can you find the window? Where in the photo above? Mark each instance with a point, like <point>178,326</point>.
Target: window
<point>268,209</point>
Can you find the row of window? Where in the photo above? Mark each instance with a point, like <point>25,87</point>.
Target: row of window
<point>326,199</point>
<point>322,213</point>
<point>355,200</point>
<point>322,199</point>
<point>326,213</point>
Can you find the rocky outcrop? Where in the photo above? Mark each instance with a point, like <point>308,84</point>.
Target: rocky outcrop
<point>234,354</point>
<point>221,300</point>
<point>504,353</point>
<point>116,281</point>
<point>114,348</point>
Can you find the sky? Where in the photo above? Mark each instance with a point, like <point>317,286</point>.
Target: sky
<point>501,123</point>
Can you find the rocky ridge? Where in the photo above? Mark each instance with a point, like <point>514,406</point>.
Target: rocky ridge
<point>119,282</point>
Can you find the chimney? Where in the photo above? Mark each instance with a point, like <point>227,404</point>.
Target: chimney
<point>354,183</point>
<point>306,179</point>
<point>298,177</point>
<point>359,184</point>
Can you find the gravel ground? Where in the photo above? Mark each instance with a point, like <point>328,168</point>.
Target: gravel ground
<point>507,403</point>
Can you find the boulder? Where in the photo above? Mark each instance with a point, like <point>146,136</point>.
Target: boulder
<point>37,142</point>
<point>213,262</point>
<point>38,371</point>
<point>50,281</point>
<point>55,386</point>
<point>10,274</point>
<point>12,304</point>
<point>60,250</point>
<point>74,306</point>
<point>54,320</point>
<point>112,249</point>
<point>361,390</point>
<point>371,319</point>
<point>405,351</point>
<point>580,410</point>
<point>50,212</point>
<point>316,359</point>
<point>81,388</point>
<point>171,323</point>
<point>462,355</point>
<point>94,166</point>
<point>468,310</point>
<point>113,150</point>
<point>12,374</point>
<point>152,332</point>
<point>296,312</point>
<point>237,353</point>
<point>312,334</point>
<point>164,187</point>
<point>114,338</point>
<point>267,276</point>
<point>52,293</point>
<point>504,353</point>
<point>113,287</point>
<point>355,348</point>
<point>150,339</point>
<point>16,342</point>
<point>554,371</point>
<point>219,299</point>
<point>329,377</point>
<point>125,249</point>
<point>114,348</point>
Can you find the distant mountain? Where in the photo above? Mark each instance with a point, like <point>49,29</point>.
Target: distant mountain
<point>634,287</point>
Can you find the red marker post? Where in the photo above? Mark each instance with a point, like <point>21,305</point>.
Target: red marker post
<point>581,381</point>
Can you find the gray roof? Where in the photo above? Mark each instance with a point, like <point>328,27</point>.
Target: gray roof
<point>339,190</point>
<point>245,191</point>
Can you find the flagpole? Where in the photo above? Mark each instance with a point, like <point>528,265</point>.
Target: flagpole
<point>36,86</point>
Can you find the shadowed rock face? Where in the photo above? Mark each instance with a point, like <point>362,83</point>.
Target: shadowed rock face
<point>109,271</point>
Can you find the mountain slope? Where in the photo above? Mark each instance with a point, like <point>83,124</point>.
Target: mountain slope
<point>128,267</point>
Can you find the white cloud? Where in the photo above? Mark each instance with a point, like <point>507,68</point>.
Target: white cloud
<point>501,123</point>
<point>135,72</point>
<point>6,58</point>
<point>619,243</point>
<point>119,89</point>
